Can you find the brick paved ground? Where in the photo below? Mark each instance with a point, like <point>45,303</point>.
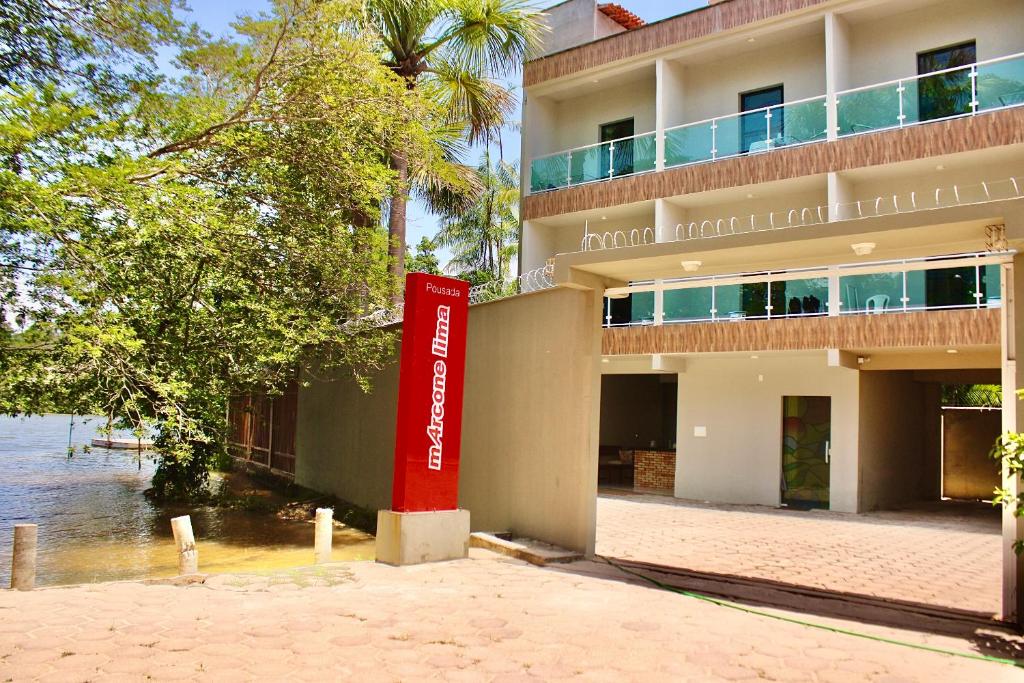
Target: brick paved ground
<point>947,556</point>
<point>483,619</point>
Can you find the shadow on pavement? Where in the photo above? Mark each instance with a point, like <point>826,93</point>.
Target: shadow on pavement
<point>988,635</point>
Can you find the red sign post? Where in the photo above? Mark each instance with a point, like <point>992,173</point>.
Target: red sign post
<point>433,365</point>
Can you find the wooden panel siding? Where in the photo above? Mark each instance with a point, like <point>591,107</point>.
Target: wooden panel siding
<point>994,129</point>
<point>724,16</point>
<point>897,330</point>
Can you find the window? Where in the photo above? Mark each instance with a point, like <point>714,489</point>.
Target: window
<point>754,127</point>
<point>946,94</point>
<point>622,164</point>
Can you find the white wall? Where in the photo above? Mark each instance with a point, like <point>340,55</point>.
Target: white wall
<point>542,241</point>
<point>759,206</point>
<point>924,180</point>
<point>578,120</point>
<point>711,90</point>
<point>886,48</point>
<point>739,401</point>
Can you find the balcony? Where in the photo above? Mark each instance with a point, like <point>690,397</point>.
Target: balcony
<point>964,281</point>
<point>942,95</point>
<point>603,161</point>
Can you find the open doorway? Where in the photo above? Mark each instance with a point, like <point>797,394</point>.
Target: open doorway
<point>638,433</point>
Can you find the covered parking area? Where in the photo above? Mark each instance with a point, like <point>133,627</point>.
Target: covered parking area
<point>943,555</point>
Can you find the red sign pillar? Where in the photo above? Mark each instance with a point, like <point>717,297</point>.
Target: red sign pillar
<point>432,370</point>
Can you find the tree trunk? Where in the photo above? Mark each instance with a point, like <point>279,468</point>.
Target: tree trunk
<point>396,222</point>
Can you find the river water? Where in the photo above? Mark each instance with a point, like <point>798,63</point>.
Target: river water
<point>96,525</point>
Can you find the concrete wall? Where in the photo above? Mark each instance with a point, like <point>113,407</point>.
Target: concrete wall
<point>886,48</point>
<point>345,438</point>
<point>573,23</point>
<point>894,465</point>
<point>529,438</point>
<point>968,472</point>
<point>739,402</point>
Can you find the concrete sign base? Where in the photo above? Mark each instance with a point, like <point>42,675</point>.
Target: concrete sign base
<point>418,537</point>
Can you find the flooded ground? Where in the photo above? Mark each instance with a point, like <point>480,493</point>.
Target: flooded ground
<point>96,525</point>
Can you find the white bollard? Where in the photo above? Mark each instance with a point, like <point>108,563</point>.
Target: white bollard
<point>324,535</point>
<point>23,563</point>
<point>188,555</point>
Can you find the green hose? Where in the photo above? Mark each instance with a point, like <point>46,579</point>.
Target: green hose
<point>809,624</point>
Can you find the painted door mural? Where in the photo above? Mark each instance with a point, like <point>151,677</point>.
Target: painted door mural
<point>806,450</point>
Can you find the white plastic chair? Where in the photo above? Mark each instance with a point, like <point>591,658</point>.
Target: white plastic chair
<point>877,304</point>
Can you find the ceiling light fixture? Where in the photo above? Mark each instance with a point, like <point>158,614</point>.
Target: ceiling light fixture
<point>863,248</point>
<point>952,351</point>
<point>691,266</point>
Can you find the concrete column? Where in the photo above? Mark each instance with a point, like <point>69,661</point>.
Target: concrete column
<point>1013,420</point>
<point>837,61</point>
<point>840,192</point>
<point>659,113</point>
<point>23,562</point>
<point>666,217</point>
<point>659,304</point>
<point>668,101</point>
<point>188,555</point>
<point>835,295</point>
<point>323,535</point>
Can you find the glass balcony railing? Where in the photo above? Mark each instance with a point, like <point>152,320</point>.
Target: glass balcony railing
<point>921,290</point>
<point>961,91</point>
<point>914,285</point>
<point>760,130</point>
<point>603,161</point>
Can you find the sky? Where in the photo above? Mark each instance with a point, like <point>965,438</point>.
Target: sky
<point>216,16</point>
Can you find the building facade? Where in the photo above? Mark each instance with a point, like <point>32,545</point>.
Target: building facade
<point>805,218</point>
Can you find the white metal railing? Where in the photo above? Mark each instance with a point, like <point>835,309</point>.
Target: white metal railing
<point>987,85</point>
<point>788,124</point>
<point>888,205</point>
<point>590,163</point>
<point>854,288</point>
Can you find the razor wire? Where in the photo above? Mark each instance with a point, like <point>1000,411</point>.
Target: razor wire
<point>534,280</point>
<point>887,205</point>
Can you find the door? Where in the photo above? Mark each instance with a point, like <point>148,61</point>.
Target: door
<point>754,127</point>
<point>617,159</point>
<point>806,451</point>
<point>947,94</point>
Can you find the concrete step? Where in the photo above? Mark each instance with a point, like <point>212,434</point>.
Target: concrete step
<point>528,550</point>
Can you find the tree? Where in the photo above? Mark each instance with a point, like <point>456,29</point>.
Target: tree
<point>452,50</point>
<point>425,260</point>
<point>483,238</point>
<point>178,242</point>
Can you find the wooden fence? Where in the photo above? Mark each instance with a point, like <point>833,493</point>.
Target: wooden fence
<point>263,429</point>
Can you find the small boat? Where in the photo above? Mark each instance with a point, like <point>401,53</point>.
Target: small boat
<point>123,444</point>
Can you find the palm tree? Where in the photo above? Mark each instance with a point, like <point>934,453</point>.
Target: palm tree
<point>482,238</point>
<point>452,51</point>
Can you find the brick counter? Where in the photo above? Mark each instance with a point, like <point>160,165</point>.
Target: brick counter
<point>654,470</point>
